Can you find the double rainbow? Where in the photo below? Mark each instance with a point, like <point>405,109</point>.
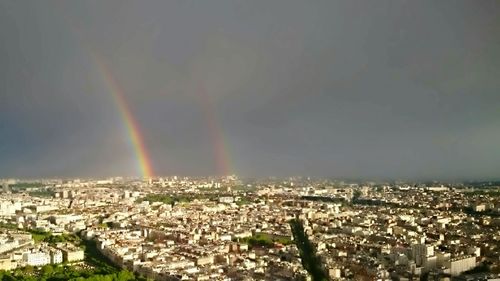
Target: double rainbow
<point>131,126</point>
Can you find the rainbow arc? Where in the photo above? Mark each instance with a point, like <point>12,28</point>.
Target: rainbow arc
<point>130,123</point>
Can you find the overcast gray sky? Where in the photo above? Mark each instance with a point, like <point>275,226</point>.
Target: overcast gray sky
<point>392,89</point>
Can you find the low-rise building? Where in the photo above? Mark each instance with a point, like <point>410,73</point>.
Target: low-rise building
<point>7,264</point>
<point>36,258</point>
<point>72,254</point>
<point>461,264</point>
<point>56,257</point>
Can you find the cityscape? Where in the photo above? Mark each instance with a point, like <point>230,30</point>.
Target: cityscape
<point>227,228</point>
<point>242,140</point>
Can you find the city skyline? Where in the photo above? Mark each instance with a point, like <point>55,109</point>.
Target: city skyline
<point>391,90</point>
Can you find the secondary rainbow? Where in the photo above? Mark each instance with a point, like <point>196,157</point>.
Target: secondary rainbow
<point>220,148</point>
<point>129,122</point>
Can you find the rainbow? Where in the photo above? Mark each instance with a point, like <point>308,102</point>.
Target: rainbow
<point>130,124</point>
<point>220,149</point>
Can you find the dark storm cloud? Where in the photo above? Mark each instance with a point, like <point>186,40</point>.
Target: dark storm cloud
<point>404,89</point>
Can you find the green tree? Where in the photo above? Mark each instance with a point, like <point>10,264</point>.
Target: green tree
<point>356,194</point>
<point>125,275</point>
<point>310,260</point>
<point>47,270</point>
<point>29,270</point>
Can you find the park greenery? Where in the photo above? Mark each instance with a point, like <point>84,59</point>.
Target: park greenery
<point>491,192</point>
<point>46,193</point>
<point>52,239</point>
<point>25,185</point>
<point>244,201</point>
<point>39,236</point>
<point>62,238</point>
<point>358,200</point>
<point>310,260</point>
<point>172,199</point>
<point>97,267</point>
<point>265,240</point>
<point>164,198</point>
<point>10,226</point>
<point>96,259</point>
<point>66,273</point>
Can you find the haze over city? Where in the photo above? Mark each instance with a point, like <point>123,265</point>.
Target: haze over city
<point>356,89</point>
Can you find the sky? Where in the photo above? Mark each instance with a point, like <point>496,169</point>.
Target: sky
<point>346,89</point>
